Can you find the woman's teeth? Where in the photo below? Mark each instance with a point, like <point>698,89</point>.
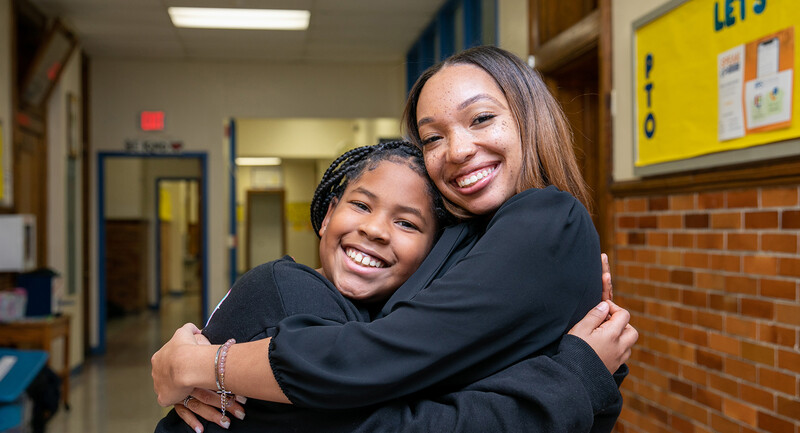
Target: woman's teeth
<point>363,259</point>
<point>474,177</point>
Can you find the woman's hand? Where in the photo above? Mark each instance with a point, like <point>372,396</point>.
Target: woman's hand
<point>608,289</point>
<point>611,339</point>
<point>169,364</point>
<point>205,403</point>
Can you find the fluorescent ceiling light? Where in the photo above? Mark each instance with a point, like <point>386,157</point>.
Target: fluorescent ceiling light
<point>252,19</point>
<point>257,161</point>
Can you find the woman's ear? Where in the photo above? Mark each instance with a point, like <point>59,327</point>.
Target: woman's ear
<point>331,207</point>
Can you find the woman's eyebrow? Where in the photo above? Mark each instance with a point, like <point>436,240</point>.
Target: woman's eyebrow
<point>463,105</point>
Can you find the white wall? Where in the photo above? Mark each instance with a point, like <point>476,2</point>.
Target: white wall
<point>5,90</point>
<point>623,14</point>
<point>197,98</point>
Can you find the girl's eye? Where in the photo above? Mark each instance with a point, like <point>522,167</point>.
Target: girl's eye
<point>483,117</point>
<point>408,225</point>
<point>360,205</point>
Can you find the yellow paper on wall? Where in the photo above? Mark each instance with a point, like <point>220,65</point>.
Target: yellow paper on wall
<point>715,75</point>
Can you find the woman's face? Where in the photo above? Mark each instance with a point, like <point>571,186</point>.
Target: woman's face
<point>471,142</point>
<point>378,233</point>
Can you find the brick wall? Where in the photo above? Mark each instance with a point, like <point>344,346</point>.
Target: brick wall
<point>712,280</point>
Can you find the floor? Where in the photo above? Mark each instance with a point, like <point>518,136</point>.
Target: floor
<point>114,393</point>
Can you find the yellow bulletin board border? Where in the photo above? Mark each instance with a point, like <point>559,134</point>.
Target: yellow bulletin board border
<point>5,171</point>
<point>702,145</point>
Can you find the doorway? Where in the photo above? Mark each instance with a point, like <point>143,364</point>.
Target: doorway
<point>178,237</point>
<point>265,237</point>
<point>128,226</point>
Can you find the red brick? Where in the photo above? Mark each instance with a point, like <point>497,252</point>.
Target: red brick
<point>682,202</point>
<point>788,314</point>
<point>713,200</point>
<point>779,197</point>
<point>777,334</point>
<point>743,370</point>
<point>761,265</point>
<point>743,285</point>
<point>709,320</point>
<point>645,256</point>
<point>789,360</point>
<point>725,263</point>
<point>739,411</point>
<point>694,374</point>
<point>789,407</point>
<point>740,326</point>
<point>670,221</point>
<point>790,219</point>
<point>670,330</point>
<point>696,221</point>
<point>696,260</point>
<point>710,241</point>
<point>683,315</point>
<point>683,240</point>
<point>758,353</point>
<point>712,280</point>
<point>723,343</point>
<point>756,396</point>
<point>682,277</point>
<point>657,239</point>
<point>774,424</point>
<point>758,308</point>
<point>709,398</point>
<point>680,425</point>
<point>626,222</point>
<point>647,222</point>
<point>635,204</point>
<point>721,424</point>
<point>742,241</point>
<point>621,238</point>
<point>658,203</point>
<point>694,298</point>
<point>709,360</point>
<point>784,243</point>
<point>669,258</point>
<point>744,198</point>
<point>783,289</point>
<point>637,272</point>
<point>776,380</point>
<point>761,220</point>
<point>636,238</point>
<point>731,220</point>
<point>658,275</point>
<point>789,267</point>
<point>625,254</point>
<point>724,303</point>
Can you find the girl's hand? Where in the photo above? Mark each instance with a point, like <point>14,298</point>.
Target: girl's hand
<point>611,339</point>
<point>205,403</point>
<point>168,366</point>
<point>608,289</point>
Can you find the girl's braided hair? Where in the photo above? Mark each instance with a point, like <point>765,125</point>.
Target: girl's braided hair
<point>351,165</point>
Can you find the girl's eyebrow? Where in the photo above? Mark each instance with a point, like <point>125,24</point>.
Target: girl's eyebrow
<point>401,208</point>
<point>469,101</point>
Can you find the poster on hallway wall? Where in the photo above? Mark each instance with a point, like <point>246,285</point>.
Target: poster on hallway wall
<point>712,76</point>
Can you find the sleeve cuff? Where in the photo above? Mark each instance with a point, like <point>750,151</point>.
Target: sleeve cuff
<point>577,356</point>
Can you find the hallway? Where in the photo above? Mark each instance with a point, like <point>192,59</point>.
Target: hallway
<point>114,393</point>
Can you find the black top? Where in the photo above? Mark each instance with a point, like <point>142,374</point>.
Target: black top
<point>482,301</point>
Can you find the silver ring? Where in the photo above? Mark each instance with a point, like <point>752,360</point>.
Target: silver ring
<point>186,400</point>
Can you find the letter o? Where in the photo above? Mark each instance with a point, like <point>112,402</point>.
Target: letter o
<point>650,125</point>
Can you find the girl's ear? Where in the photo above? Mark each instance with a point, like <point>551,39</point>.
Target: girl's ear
<point>331,207</point>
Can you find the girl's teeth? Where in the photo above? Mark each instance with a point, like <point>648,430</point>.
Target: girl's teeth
<point>364,259</point>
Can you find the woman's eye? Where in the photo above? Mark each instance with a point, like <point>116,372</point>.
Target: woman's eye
<point>482,118</point>
<point>431,139</point>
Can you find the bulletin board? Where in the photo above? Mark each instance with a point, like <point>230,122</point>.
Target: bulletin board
<point>715,82</point>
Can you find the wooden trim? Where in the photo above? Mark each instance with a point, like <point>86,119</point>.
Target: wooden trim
<point>570,44</point>
<point>534,40</point>
<point>765,173</point>
<point>86,195</point>
<point>605,205</point>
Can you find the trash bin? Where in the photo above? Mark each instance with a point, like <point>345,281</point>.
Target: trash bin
<point>40,285</point>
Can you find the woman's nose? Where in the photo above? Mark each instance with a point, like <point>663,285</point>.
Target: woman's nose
<point>460,148</point>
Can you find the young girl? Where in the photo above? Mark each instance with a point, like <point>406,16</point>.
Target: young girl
<point>372,238</point>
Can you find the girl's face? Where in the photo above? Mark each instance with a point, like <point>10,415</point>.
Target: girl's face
<point>378,233</point>
<point>471,142</point>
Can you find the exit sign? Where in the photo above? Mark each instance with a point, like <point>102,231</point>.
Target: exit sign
<point>151,120</point>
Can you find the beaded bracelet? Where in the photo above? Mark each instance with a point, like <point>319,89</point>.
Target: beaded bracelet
<point>219,374</point>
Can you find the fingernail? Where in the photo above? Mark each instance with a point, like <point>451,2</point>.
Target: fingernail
<point>241,399</point>
<point>603,306</point>
<point>238,414</point>
<point>198,430</point>
<point>225,422</point>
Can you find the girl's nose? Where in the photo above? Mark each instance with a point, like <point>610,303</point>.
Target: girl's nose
<point>375,228</point>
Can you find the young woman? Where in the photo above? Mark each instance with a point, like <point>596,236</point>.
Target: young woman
<point>495,290</point>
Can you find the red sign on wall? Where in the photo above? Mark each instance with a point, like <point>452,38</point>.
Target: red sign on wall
<point>151,120</point>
